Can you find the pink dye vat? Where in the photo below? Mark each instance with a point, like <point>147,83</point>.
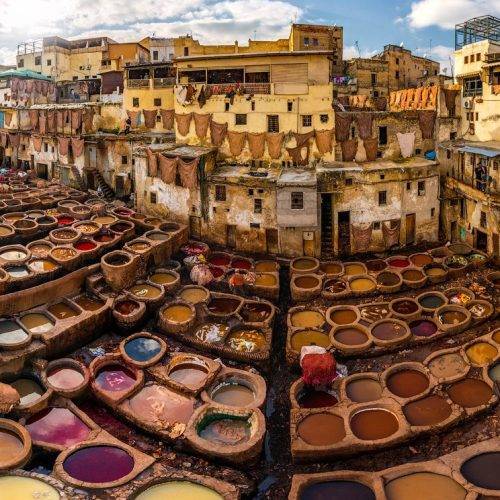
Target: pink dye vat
<point>114,378</point>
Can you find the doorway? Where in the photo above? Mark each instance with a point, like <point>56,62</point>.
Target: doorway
<point>272,241</point>
<point>42,171</point>
<point>344,237</point>
<point>231,236</point>
<point>195,226</point>
<point>453,231</point>
<point>410,229</point>
<point>326,225</point>
<point>481,240</point>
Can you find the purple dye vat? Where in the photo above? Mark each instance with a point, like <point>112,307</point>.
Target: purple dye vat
<point>114,378</point>
<point>423,328</point>
<point>57,426</point>
<point>99,464</point>
<point>241,264</point>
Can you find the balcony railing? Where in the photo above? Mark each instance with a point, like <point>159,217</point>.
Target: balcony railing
<point>160,83</point>
<point>138,84</point>
<point>246,88</point>
<point>490,58</point>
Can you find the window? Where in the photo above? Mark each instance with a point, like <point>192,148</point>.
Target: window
<point>240,119</point>
<point>306,41</point>
<point>306,120</point>
<point>397,75</point>
<point>254,225</point>
<point>382,177</point>
<point>289,106</point>
<point>433,212</point>
<point>466,60</point>
<point>376,226</point>
<point>273,123</point>
<point>353,132</point>
<point>38,60</point>
<point>408,186</point>
<point>375,93</point>
<point>45,147</point>
<point>323,118</point>
<point>220,192</point>
<point>135,102</point>
<point>472,86</point>
<point>477,116</point>
<point>472,58</point>
<point>482,220</point>
<point>226,106</point>
<point>257,206</point>
<point>463,208</point>
<point>20,64</point>
<point>315,42</point>
<point>152,198</point>
<point>421,188</point>
<point>297,201</point>
<point>478,57</point>
<point>348,181</point>
<point>157,101</point>
<point>124,160</point>
<point>252,106</point>
<point>374,79</point>
<point>382,197</point>
<point>155,55</point>
<point>453,136</point>
<point>382,135</point>
<point>186,51</point>
<point>448,154</point>
<point>250,192</point>
<point>75,78</point>
<point>397,60</point>
<point>49,62</point>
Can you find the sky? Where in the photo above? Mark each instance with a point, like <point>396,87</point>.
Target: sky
<point>423,26</point>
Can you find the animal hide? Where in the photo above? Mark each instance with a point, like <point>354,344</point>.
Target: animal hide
<point>168,168</point>
<point>236,142</point>
<point>201,123</point>
<point>324,141</point>
<point>152,163</point>
<point>218,132</point>
<point>77,146</point>
<point>371,148</point>
<point>349,149</point>
<point>342,126</point>
<point>256,144</point>
<point>63,145</point>
<point>167,118</point>
<point>150,118</point>
<point>188,172</point>
<point>275,144</point>
<point>183,123</point>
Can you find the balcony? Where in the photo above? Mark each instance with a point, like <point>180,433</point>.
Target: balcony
<point>161,83</point>
<point>492,58</point>
<point>138,84</point>
<point>246,88</point>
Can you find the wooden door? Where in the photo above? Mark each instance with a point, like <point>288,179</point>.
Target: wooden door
<point>231,236</point>
<point>272,241</point>
<point>195,227</point>
<point>410,229</point>
<point>344,232</point>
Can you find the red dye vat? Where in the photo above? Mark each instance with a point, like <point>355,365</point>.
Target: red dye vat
<point>86,464</point>
<point>217,272</point>
<point>194,249</point>
<point>311,398</point>
<point>124,212</point>
<point>103,238</point>
<point>241,264</point>
<point>219,260</point>
<point>114,378</point>
<point>85,246</point>
<point>65,220</point>
<point>126,307</point>
<point>423,328</point>
<point>399,262</point>
<point>120,227</point>
<point>57,426</point>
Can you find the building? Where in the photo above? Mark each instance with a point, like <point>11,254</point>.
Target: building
<point>160,49</point>
<point>368,77</point>
<point>405,68</point>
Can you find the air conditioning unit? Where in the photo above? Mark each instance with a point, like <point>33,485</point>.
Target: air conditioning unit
<point>468,104</point>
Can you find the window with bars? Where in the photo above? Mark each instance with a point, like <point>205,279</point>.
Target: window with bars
<point>382,197</point>
<point>157,101</point>
<point>135,102</point>
<point>307,120</point>
<point>482,220</point>
<point>240,119</point>
<point>421,188</point>
<point>124,160</point>
<point>297,201</point>
<point>273,123</point>
<point>220,192</point>
<point>257,206</point>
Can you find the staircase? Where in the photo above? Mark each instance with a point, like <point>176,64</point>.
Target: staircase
<point>107,192</point>
<point>78,177</point>
<point>326,227</point>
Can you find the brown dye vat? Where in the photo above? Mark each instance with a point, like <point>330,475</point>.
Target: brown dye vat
<point>413,275</point>
<point>88,228</point>
<point>421,259</point>
<point>350,336</point>
<point>158,236</point>
<point>255,312</point>
<point>388,330</point>
<point>191,375</point>
<point>363,390</point>
<point>155,403</point>
<point>117,259</point>
<point>470,392</point>
<point>40,250</point>
<point>330,268</point>
<point>139,247</point>
<point>5,231</point>
<point>304,264</point>
<point>435,271</point>
<point>63,253</point>
<point>266,266</point>
<point>306,282</point>
<point>407,383</point>
<point>163,278</point>
<point>448,365</point>
<point>307,319</point>
<point>62,311</point>
<point>431,410</point>
<point>343,316</point>
<point>373,313</point>
<point>194,295</point>
<point>126,307</point>
<point>212,332</point>
<point>223,305</point>
<point>225,431</point>
<point>88,303</point>
<point>64,234</point>
<point>362,285</point>
<point>482,471</point>
<point>405,306</point>
<point>11,446</point>
<point>424,486</point>
<point>309,397</point>
<point>373,424</point>
<point>307,338</point>
<point>496,337</point>
<point>36,323</point>
<point>452,317</point>
<point>387,279</point>
<point>105,219</point>
<point>246,340</point>
<point>42,265</point>
<point>354,269</point>
<point>376,265</point>
<point>335,286</point>
<point>321,429</point>
<point>265,280</point>
<point>145,290</point>
<point>232,393</point>
<point>177,313</point>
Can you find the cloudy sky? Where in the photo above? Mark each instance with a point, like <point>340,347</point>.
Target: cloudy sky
<point>425,26</point>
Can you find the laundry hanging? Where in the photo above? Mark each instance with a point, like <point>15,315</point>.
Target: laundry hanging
<point>371,148</point>
<point>256,144</point>
<point>77,146</point>
<point>218,132</point>
<point>76,120</point>
<point>390,233</point>
<point>188,172</point>
<point>201,123</point>
<point>450,96</point>
<point>134,118</point>
<point>51,121</point>
<point>42,122</point>
<point>180,95</point>
<point>324,141</point>
<point>150,117</point>
<point>8,118</point>
<point>380,103</point>
<point>274,144</point>
<point>167,168</point>
<point>236,142</point>
<point>425,96</point>
<point>33,118</point>
<point>202,98</point>
<point>362,236</point>
<point>183,123</point>
<point>61,119</point>
<point>417,100</point>
<point>88,120</point>
<point>14,140</point>
<point>63,145</point>
<point>406,143</point>
<point>426,121</point>
<point>44,87</point>
<point>4,139</point>
<point>24,119</point>
<point>433,96</point>
<point>152,163</point>
<point>364,121</point>
<point>349,149</point>
<point>299,155</point>
<point>167,118</point>
<point>342,126</point>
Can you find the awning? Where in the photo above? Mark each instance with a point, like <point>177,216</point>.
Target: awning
<point>490,153</point>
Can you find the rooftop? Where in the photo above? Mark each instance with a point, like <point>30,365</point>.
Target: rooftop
<point>381,164</point>
<point>235,174</point>
<point>238,55</point>
<point>296,177</point>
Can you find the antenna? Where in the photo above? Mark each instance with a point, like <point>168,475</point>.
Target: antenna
<point>356,44</point>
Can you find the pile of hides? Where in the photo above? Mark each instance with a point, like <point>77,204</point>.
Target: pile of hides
<point>390,233</point>
<point>362,236</point>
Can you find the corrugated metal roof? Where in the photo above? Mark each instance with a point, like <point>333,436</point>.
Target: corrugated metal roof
<point>490,153</point>
<point>23,73</point>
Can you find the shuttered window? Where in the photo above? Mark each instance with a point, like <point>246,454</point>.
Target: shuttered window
<point>289,73</point>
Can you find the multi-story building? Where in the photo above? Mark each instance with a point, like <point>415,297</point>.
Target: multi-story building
<point>368,77</point>
<point>160,49</point>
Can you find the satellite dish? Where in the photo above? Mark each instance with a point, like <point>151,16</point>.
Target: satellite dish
<point>401,44</point>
